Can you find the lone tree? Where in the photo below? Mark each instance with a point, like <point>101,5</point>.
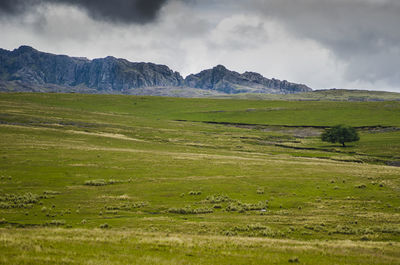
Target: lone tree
<point>340,134</point>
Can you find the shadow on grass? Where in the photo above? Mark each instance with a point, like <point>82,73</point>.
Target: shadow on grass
<point>337,146</point>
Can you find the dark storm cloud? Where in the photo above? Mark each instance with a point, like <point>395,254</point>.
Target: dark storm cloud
<point>125,11</point>
<point>13,7</point>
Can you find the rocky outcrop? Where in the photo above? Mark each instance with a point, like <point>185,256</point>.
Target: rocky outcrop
<point>30,66</point>
<point>221,79</point>
<point>26,67</point>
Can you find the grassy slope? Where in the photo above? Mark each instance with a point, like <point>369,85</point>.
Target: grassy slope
<point>129,247</point>
<point>55,142</point>
<point>324,95</point>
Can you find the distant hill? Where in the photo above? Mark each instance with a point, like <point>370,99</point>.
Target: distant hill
<point>328,95</point>
<point>221,79</point>
<point>26,69</point>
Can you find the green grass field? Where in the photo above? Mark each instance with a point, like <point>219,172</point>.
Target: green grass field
<point>103,179</point>
<point>325,95</point>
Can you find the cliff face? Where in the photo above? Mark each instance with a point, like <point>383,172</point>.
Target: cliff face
<point>119,74</point>
<point>221,79</point>
<point>36,70</point>
<point>30,66</point>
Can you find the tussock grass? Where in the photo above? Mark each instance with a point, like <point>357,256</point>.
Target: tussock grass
<point>55,223</point>
<point>27,200</point>
<point>5,178</point>
<point>238,206</point>
<point>127,206</point>
<point>190,210</point>
<point>260,191</point>
<point>361,186</point>
<point>104,226</point>
<point>217,198</point>
<point>102,182</point>
<point>50,192</point>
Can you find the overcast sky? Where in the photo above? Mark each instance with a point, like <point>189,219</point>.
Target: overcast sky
<point>321,43</point>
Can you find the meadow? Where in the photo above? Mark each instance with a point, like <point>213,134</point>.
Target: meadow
<point>113,179</point>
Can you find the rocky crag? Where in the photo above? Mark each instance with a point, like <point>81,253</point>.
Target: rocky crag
<point>26,69</point>
<point>221,79</point>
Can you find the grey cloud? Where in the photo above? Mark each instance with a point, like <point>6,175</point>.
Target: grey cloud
<point>13,7</point>
<point>238,33</point>
<point>363,33</point>
<point>121,11</point>
<point>324,43</point>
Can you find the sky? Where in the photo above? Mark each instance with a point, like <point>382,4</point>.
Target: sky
<point>351,44</point>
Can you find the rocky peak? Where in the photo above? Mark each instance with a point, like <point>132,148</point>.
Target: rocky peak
<point>24,49</point>
<point>218,78</point>
<point>220,68</point>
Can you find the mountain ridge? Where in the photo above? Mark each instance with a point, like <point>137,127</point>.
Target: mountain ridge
<point>27,69</point>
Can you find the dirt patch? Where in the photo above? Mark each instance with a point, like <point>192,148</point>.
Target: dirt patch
<point>101,134</point>
<point>296,132</point>
<point>109,135</point>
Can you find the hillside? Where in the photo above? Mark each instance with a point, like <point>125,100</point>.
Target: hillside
<point>145,180</point>
<point>323,95</point>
